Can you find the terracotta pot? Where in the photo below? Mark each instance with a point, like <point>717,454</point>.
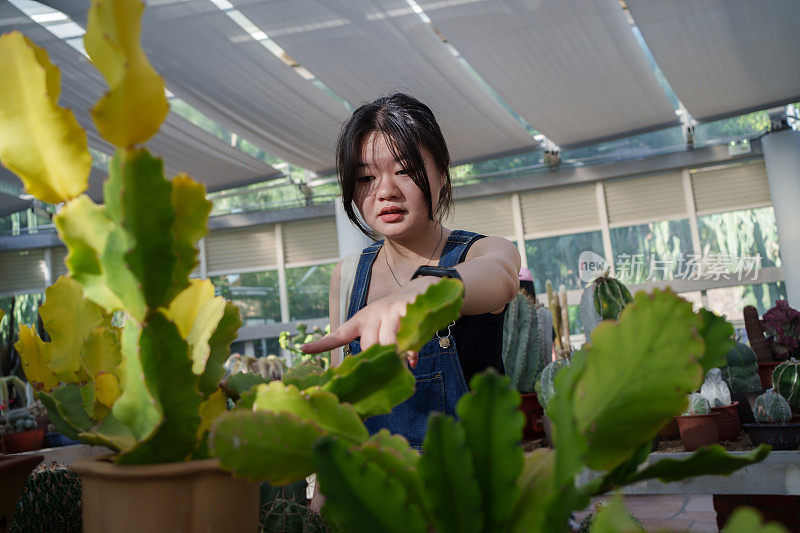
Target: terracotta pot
<point>746,401</point>
<point>533,412</point>
<point>548,430</point>
<point>14,471</point>
<point>698,430</point>
<point>728,421</point>
<point>192,497</point>
<point>765,373</point>
<point>779,436</point>
<point>23,441</point>
<point>670,429</point>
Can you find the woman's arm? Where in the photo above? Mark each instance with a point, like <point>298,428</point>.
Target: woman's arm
<point>490,276</point>
<point>333,309</point>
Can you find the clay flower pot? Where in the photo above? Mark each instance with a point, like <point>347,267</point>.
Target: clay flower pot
<point>698,430</point>
<point>192,496</point>
<point>533,412</point>
<point>728,421</point>
<point>765,373</point>
<point>670,429</point>
<point>14,472</point>
<point>779,436</point>
<point>23,441</point>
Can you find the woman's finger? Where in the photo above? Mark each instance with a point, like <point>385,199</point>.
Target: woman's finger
<point>339,337</point>
<point>387,333</point>
<point>412,358</point>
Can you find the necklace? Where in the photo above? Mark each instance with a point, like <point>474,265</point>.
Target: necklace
<point>386,256</point>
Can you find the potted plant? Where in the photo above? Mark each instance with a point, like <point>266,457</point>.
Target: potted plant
<point>786,382</point>
<point>527,345</point>
<point>716,391</point>
<point>773,424</point>
<point>698,425</point>
<point>603,299</point>
<point>741,376</point>
<point>473,475</point>
<point>782,328</point>
<point>19,428</point>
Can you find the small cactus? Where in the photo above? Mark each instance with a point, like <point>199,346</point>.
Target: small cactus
<point>50,501</point>
<point>715,390</point>
<point>604,299</point>
<point>698,405</point>
<point>741,374</point>
<point>288,516</point>
<point>771,408</point>
<point>786,381</point>
<point>545,385</point>
<point>523,355</point>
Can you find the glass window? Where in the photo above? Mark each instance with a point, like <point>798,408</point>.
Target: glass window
<point>723,130</point>
<point>256,295</point>
<point>26,308</point>
<point>654,251</point>
<point>730,301</point>
<point>556,258</point>
<point>741,234</point>
<point>308,291</point>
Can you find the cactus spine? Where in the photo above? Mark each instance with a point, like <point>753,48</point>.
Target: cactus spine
<point>771,408</point>
<point>741,374</point>
<point>523,355</point>
<point>698,405</point>
<point>786,381</point>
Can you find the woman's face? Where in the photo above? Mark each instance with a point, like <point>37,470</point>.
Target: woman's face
<point>388,199</point>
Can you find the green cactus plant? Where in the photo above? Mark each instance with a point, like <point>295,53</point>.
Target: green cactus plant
<point>771,408</point>
<point>545,384</point>
<point>741,372</point>
<point>603,299</point>
<point>524,343</point>
<point>786,381</point>
<point>283,515</point>
<point>698,405</point>
<point>50,501</point>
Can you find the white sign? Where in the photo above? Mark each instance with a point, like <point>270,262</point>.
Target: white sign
<point>590,266</point>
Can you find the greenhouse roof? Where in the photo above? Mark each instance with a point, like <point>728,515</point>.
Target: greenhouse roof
<point>284,75</point>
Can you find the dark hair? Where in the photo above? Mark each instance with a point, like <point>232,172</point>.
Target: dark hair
<point>406,124</point>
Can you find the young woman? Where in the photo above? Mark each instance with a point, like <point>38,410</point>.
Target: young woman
<point>393,167</point>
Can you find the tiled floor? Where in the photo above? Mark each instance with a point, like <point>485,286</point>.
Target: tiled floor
<point>692,513</point>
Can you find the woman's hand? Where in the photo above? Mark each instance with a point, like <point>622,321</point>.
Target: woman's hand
<point>376,323</point>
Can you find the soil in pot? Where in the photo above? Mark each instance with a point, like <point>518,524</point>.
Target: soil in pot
<point>191,497</point>
<point>728,421</point>
<point>779,436</point>
<point>698,430</point>
<point>533,412</point>
<point>765,373</point>
<point>23,441</point>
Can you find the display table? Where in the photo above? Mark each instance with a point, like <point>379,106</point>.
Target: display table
<point>66,455</point>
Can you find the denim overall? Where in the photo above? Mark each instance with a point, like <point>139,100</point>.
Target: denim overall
<point>440,382</point>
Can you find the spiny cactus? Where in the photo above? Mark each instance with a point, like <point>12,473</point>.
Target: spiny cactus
<point>771,408</point>
<point>741,374</point>
<point>545,385</point>
<point>604,299</point>
<point>698,405</point>
<point>786,381</point>
<point>50,501</point>
<point>283,515</point>
<point>715,390</point>
<point>755,334</point>
<point>523,349</point>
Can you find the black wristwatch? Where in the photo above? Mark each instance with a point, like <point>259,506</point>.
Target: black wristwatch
<point>438,272</point>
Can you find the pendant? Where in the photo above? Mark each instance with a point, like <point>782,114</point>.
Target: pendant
<point>444,342</point>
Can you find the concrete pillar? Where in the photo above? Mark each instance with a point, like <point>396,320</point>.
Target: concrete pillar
<point>782,159</point>
<point>350,238</point>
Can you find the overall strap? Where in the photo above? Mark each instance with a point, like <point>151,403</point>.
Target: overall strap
<point>358,297</point>
<point>456,248</point>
